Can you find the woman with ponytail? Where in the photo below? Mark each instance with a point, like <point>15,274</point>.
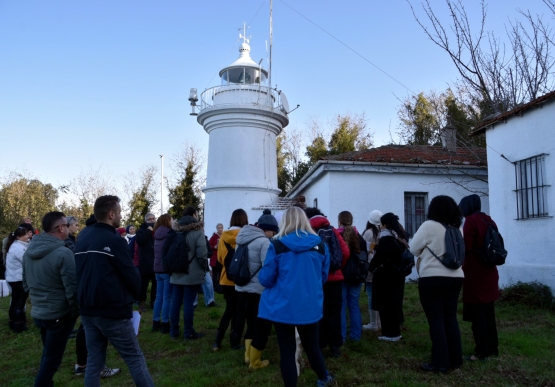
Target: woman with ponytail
<point>351,291</point>
<point>18,241</point>
<point>388,283</point>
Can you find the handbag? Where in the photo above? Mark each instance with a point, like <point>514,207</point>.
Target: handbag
<point>5,289</point>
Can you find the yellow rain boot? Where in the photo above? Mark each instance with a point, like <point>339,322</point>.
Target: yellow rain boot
<point>255,356</point>
<point>247,351</point>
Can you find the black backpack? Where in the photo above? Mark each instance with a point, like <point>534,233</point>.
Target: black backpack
<point>454,248</point>
<point>239,271</point>
<point>356,268</point>
<point>327,234</point>
<point>228,257</point>
<point>493,251</point>
<point>407,261</point>
<point>175,253</point>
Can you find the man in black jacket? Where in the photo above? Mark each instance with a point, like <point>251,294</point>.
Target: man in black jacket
<point>108,283</point>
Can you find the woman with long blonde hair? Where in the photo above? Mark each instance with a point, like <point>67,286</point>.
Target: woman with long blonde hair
<point>295,269</point>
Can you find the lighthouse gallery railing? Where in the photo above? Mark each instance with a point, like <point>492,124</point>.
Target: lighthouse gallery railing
<point>253,95</point>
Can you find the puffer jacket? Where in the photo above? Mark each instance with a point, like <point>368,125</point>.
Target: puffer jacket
<point>50,279</point>
<point>160,236</point>
<point>319,221</point>
<point>294,281</point>
<point>228,236</point>
<point>14,261</point>
<point>258,246</point>
<point>197,252</point>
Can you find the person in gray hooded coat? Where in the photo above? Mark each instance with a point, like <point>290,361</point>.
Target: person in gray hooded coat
<point>258,329</point>
<point>187,285</point>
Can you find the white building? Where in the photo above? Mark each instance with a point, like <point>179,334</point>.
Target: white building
<point>394,178</point>
<point>521,171</point>
<point>242,116</point>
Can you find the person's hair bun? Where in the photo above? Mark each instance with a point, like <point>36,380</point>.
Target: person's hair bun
<point>266,212</point>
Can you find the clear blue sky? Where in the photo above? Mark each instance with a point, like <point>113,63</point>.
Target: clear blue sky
<point>84,84</point>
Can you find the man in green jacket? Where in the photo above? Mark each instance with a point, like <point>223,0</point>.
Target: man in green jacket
<point>49,277</point>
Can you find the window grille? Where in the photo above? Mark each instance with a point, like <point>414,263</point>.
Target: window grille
<point>531,195</point>
<point>415,211</point>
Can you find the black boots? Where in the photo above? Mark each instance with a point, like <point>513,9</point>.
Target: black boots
<point>219,338</point>
<point>165,328</point>
<point>156,326</point>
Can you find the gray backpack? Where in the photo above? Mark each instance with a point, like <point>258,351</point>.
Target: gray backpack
<point>454,248</point>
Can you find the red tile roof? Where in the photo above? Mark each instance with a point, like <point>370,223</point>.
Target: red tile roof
<point>482,126</point>
<point>416,154</point>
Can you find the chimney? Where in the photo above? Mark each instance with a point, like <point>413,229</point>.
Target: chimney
<point>449,138</point>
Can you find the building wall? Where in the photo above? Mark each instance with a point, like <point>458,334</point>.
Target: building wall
<point>362,192</point>
<point>530,243</point>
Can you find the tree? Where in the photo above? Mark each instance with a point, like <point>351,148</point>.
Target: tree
<point>496,80</point>
<point>186,189</point>
<point>350,134</point>
<point>21,196</point>
<point>290,161</point>
<point>142,191</point>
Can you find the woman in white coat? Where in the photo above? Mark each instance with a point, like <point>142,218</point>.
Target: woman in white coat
<point>18,241</point>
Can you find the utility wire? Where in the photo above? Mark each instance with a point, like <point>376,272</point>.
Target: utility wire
<point>344,44</point>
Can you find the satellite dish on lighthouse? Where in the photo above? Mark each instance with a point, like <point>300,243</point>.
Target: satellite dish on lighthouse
<point>284,103</point>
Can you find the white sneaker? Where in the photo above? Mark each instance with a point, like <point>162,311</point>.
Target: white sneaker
<point>370,327</point>
<point>386,338</point>
<point>109,372</point>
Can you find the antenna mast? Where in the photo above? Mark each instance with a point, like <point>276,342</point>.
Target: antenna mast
<point>271,41</point>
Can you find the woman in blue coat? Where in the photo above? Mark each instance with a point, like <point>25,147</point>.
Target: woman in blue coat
<point>295,269</point>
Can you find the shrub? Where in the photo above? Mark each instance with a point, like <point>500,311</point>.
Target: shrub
<point>530,294</point>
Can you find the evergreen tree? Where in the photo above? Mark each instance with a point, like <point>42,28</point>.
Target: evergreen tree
<point>183,194</point>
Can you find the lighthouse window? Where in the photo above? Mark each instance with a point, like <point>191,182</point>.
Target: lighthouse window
<point>246,76</point>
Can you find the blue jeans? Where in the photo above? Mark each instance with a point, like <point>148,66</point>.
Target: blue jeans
<point>54,335</point>
<point>207,290</point>
<point>351,294</point>
<point>163,297</point>
<point>183,294</point>
<point>120,333</point>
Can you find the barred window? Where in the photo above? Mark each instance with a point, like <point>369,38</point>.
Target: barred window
<point>531,195</point>
<point>415,211</point>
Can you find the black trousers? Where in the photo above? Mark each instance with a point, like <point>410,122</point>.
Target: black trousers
<point>288,344</point>
<point>484,328</point>
<point>439,297</point>
<point>17,307</point>
<point>145,279</point>
<point>330,324</point>
<point>81,346</point>
<point>258,329</point>
<point>232,316</point>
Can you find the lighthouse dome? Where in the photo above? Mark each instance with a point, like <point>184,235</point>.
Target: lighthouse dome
<point>244,70</point>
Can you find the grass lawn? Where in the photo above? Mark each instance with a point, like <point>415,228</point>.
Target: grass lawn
<point>526,348</point>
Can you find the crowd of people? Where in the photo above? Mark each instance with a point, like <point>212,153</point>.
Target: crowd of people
<point>298,284</point>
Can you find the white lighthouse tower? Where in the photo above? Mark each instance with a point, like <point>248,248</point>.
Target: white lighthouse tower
<point>243,117</point>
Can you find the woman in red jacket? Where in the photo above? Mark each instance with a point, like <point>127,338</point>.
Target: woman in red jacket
<point>481,280</point>
<point>330,325</point>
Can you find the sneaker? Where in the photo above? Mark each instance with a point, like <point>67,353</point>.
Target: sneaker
<point>386,338</point>
<point>109,372</point>
<point>212,304</point>
<point>79,371</point>
<point>194,336</point>
<point>370,327</point>
<point>328,381</point>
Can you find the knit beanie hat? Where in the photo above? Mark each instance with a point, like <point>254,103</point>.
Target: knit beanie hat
<point>267,222</point>
<point>121,231</point>
<point>374,217</point>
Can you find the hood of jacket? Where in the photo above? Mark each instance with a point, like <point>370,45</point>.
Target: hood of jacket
<point>301,242</point>
<point>470,204</point>
<point>319,221</point>
<point>188,223</point>
<point>249,233</point>
<point>42,245</point>
<point>161,232</point>
<point>229,236</point>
